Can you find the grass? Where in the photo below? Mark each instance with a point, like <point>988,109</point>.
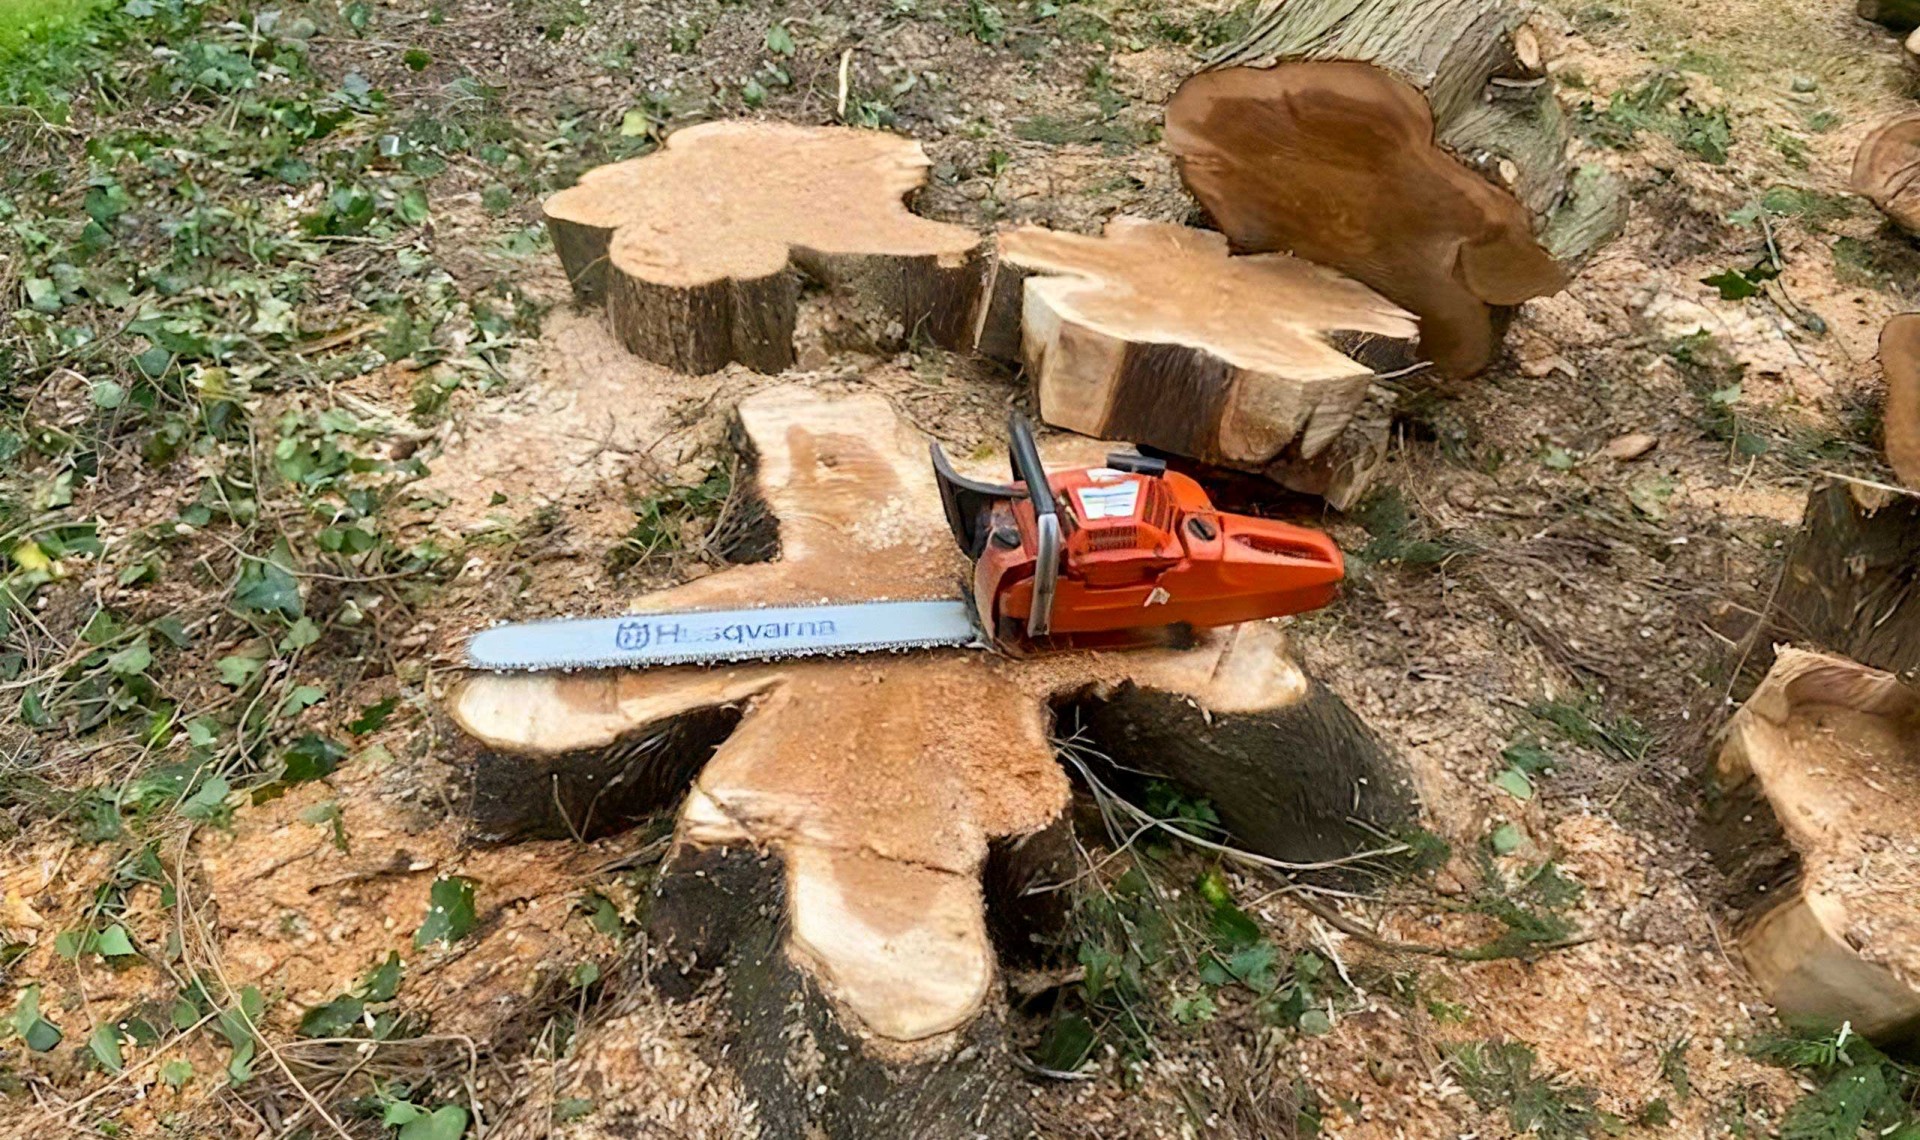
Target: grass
<point>24,22</point>
<point>1658,104</point>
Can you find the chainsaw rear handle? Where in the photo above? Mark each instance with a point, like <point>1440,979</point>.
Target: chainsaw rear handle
<point>1027,468</point>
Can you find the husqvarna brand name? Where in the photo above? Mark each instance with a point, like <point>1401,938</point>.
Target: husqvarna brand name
<point>637,635</point>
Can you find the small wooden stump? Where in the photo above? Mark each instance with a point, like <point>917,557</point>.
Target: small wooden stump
<point>1153,334</point>
<point>1900,421</point>
<point>1886,170</point>
<point>1818,823</point>
<point>859,832</point>
<point>1414,145</point>
<point>1851,584</point>
<point>699,249</point>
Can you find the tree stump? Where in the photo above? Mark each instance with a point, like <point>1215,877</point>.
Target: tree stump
<point>1818,824</point>
<point>859,831</point>
<point>698,249</point>
<point>1415,145</point>
<point>1886,170</point>
<point>1900,422</point>
<point>1153,334</point>
<point>1851,583</point>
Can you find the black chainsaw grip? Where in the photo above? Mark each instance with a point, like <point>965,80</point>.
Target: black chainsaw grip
<point>1026,464</point>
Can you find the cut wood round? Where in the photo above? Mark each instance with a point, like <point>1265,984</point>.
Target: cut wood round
<point>1153,334</point>
<point>1415,145</point>
<point>852,847</point>
<point>699,249</point>
<point>1900,421</point>
<point>1886,170</point>
<point>1851,583</point>
<point>1817,823</point>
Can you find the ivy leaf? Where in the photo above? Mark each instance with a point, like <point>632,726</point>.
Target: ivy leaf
<point>450,915</point>
<point>105,1044</point>
<point>448,1122</point>
<point>373,716</point>
<point>336,1018</point>
<point>300,635</point>
<point>236,671</point>
<point>208,801</point>
<point>779,40</point>
<point>1514,782</point>
<point>1233,929</point>
<point>383,981</point>
<point>1733,285</point>
<point>267,587</point>
<point>114,943</point>
<point>1506,839</point>
<point>311,757</point>
<point>131,661</point>
<point>1066,1045</point>
<point>40,1034</point>
<point>1316,1023</point>
<point>412,207</point>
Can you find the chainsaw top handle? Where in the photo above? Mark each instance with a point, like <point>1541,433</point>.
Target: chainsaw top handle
<point>1046,519</point>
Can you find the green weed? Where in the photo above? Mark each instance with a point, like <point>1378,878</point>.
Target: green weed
<point>1502,1074</point>
<point>1396,536</point>
<point>1858,1089</point>
<point>1658,103</point>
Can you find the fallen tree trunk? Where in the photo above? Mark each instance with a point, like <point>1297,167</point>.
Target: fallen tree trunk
<point>857,834</point>
<point>1815,823</point>
<point>1900,420</point>
<point>1415,145</point>
<point>1886,170</point>
<point>1851,583</point>
<point>699,249</point>
<point>1152,334</point>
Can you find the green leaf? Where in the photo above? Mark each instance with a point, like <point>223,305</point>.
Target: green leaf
<point>176,1072</point>
<point>779,40</point>
<point>635,123</point>
<point>1733,285</point>
<point>1725,397</point>
<point>1514,782</point>
<point>209,801</point>
<point>298,699</point>
<point>131,661</point>
<point>412,207</point>
<point>311,757</point>
<point>1558,458</point>
<point>300,634</point>
<point>1529,757</point>
<point>752,93</point>
<point>571,1109</point>
<point>1254,967</point>
<point>40,1034</point>
<point>1066,1044</point>
<point>1316,1023</point>
<point>236,671</point>
<point>1232,928</point>
<point>105,1044</point>
<point>448,1122</point>
<point>584,975</point>
<point>417,59</point>
<point>108,395</point>
<point>114,943</point>
<point>42,295</point>
<point>373,716</point>
<point>337,1018</point>
<point>383,981</point>
<point>266,587</point>
<point>450,914</point>
<point>1506,839</point>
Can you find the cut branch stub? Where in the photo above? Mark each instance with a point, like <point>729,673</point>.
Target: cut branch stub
<point>1816,826</point>
<point>1153,334</point>
<point>1886,170</point>
<point>1900,363</point>
<point>1414,145</point>
<point>863,796</point>
<point>698,248</point>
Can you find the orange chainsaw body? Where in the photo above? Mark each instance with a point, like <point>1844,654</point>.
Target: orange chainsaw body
<point>1140,547</point>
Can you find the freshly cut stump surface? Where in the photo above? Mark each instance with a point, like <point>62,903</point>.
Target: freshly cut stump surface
<point>1152,333</point>
<point>1886,170</point>
<point>1819,822</point>
<point>1414,145</point>
<point>1900,363</point>
<point>842,812</point>
<point>699,249</point>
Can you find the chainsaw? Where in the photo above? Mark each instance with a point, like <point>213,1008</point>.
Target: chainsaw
<point>1120,555</point>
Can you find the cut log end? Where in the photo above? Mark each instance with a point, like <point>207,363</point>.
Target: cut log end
<point>1820,774</point>
<point>698,250</point>
<point>1152,333</point>
<point>1900,363</point>
<point>1886,170</point>
<point>1432,168</point>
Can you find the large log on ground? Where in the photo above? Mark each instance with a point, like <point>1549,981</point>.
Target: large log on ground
<point>1151,333</point>
<point>1851,583</point>
<point>852,848</point>
<point>699,249</point>
<point>1900,419</point>
<point>1886,170</point>
<point>1415,145</point>
<point>1817,823</point>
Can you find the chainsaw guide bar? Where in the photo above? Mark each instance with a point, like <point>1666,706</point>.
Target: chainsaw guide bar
<point>703,637</point>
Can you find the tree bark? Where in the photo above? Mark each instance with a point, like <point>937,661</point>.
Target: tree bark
<point>1851,584</point>
<point>857,839</point>
<point>699,249</point>
<point>1415,145</point>
<point>1818,791</point>
<point>1151,333</point>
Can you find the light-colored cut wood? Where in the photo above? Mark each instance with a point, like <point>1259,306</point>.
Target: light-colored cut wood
<point>1414,145</point>
<point>1820,774</point>
<point>1152,333</point>
<point>698,249</point>
<point>1900,420</point>
<point>1886,170</point>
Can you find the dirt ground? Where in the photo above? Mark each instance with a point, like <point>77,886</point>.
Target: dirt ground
<point>1568,602</point>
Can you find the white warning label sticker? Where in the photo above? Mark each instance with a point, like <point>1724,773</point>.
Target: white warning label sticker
<point>1114,501</point>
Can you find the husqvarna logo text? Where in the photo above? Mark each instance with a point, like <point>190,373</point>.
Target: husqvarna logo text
<point>633,635</point>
